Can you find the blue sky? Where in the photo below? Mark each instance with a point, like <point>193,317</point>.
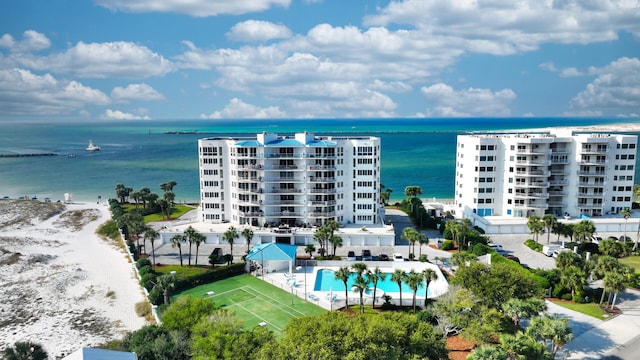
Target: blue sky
<point>201,59</point>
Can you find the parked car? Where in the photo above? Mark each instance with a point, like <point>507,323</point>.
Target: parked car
<point>497,248</point>
<point>217,257</point>
<point>366,255</point>
<point>558,251</point>
<point>625,238</point>
<point>549,250</point>
<point>351,256</point>
<point>511,257</point>
<point>398,257</point>
<point>383,257</point>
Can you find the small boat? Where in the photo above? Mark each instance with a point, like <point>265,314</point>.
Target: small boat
<point>92,147</point>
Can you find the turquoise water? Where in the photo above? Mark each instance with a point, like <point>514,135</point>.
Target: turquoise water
<point>326,281</point>
<point>141,154</point>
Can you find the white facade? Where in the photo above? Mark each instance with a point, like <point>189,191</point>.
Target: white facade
<point>558,172</point>
<point>293,181</point>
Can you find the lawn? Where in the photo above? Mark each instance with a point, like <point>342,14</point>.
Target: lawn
<point>182,271</point>
<point>176,211</point>
<point>633,261</point>
<point>254,301</point>
<point>590,309</point>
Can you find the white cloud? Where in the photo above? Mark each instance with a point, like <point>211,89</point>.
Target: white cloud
<point>238,109</point>
<point>617,86</point>
<point>119,115</point>
<point>23,92</point>
<point>469,102</point>
<point>32,41</point>
<point>258,31</point>
<point>508,27</point>
<point>102,60</point>
<point>135,92</point>
<point>199,8</point>
<point>570,72</point>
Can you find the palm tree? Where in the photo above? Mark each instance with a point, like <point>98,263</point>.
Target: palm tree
<point>573,278</point>
<point>613,283</point>
<point>122,192</point>
<point>309,249</point>
<point>429,275</point>
<point>343,275</point>
<point>535,225</point>
<point>336,242</point>
<point>322,236</point>
<point>198,239</point>
<point>25,350</point>
<point>411,235</point>
<point>361,285</point>
<point>230,236</point>
<point>555,329</point>
<point>464,227</point>
<point>375,276</point>
<point>550,222</point>
<point>398,276</point>
<point>166,283</point>
<point>177,240</point>
<point>247,234</point>
<point>626,214</point>
<point>188,236</point>
<point>414,280</point>
<point>151,234</point>
<point>583,230</point>
<point>422,240</point>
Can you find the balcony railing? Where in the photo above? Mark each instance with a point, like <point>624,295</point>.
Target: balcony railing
<point>322,191</point>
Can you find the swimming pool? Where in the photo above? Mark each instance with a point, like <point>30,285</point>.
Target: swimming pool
<point>326,281</point>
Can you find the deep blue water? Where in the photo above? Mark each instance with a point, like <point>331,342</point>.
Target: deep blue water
<point>140,154</point>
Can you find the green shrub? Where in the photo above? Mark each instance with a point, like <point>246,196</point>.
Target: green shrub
<point>148,280</point>
<point>480,249</point>
<point>566,296</point>
<point>423,258</point>
<point>579,299</point>
<point>447,245</point>
<point>156,297</point>
<point>215,274</point>
<point>531,244</point>
<point>143,262</point>
<point>147,269</point>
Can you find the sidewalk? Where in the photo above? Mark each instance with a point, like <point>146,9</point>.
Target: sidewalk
<point>611,339</point>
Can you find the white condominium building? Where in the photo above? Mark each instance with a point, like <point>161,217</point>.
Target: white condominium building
<point>299,181</point>
<point>556,172</point>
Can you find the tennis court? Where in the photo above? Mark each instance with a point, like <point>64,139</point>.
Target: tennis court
<point>255,301</point>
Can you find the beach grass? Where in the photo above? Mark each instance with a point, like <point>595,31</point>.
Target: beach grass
<point>254,302</point>
<point>633,261</point>
<point>590,309</point>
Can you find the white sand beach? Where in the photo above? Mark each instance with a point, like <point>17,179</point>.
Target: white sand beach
<point>62,285</point>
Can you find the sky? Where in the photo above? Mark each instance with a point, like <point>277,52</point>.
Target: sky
<point>106,60</point>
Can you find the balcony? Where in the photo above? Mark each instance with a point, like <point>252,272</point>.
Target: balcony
<point>531,206</point>
<point>591,184</point>
<point>284,191</point>
<point>251,214</point>
<point>532,173</point>
<point>317,179</point>
<point>591,173</point>
<point>321,203</point>
<point>322,191</point>
<point>322,214</point>
<point>281,179</point>
<point>285,213</point>
<point>535,184</point>
<point>321,156</point>
<point>531,162</point>
<point>532,195</point>
<point>321,167</point>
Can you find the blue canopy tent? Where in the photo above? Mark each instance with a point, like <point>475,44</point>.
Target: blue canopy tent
<point>273,253</point>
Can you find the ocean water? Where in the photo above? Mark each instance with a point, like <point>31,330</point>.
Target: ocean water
<point>147,153</point>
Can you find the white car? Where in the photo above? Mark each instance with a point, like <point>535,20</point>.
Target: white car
<point>398,257</point>
<point>558,251</point>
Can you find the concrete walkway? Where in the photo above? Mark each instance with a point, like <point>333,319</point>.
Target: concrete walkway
<point>615,338</point>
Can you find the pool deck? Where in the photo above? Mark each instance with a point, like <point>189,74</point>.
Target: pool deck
<point>305,279</point>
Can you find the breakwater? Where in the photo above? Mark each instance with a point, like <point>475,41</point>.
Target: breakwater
<point>27,155</point>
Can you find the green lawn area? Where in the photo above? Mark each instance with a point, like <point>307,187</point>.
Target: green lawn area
<point>176,211</point>
<point>182,271</point>
<point>590,309</point>
<point>633,261</point>
<point>254,301</point>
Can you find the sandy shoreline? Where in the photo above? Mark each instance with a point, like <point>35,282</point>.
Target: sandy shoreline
<point>61,284</point>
